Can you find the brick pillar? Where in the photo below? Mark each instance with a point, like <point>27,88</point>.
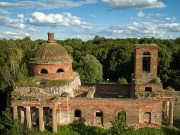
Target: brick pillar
<point>171,114</point>
<point>41,122</point>
<point>167,111</point>
<point>54,121</point>
<point>22,116</point>
<point>28,117</point>
<point>15,112</point>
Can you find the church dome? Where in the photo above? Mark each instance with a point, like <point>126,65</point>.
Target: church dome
<point>51,52</point>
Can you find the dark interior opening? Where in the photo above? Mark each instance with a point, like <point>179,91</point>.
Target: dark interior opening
<point>149,89</point>
<point>77,113</point>
<point>99,114</point>
<point>60,70</point>
<point>3,102</point>
<point>44,71</point>
<point>146,61</point>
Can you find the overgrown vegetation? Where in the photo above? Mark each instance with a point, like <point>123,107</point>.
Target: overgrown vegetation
<point>119,126</point>
<point>41,82</point>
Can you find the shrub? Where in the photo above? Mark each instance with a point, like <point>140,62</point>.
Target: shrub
<point>122,81</point>
<point>119,126</point>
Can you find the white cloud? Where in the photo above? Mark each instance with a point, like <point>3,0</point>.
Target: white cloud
<point>21,16</point>
<point>65,19</point>
<point>92,15</point>
<point>154,15</point>
<point>132,30</point>
<point>45,4</point>
<point>141,29</point>
<point>171,27</point>
<point>140,14</point>
<point>86,27</point>
<point>4,11</point>
<point>124,4</point>
<point>5,21</point>
<point>30,29</point>
<point>13,35</point>
<point>170,19</point>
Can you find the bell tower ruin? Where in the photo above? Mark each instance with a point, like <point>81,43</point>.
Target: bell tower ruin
<point>145,71</point>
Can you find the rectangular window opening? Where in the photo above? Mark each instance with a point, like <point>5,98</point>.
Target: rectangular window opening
<point>147,117</point>
<point>148,89</point>
<point>77,113</point>
<point>99,114</point>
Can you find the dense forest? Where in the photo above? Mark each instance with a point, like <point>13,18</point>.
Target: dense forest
<point>113,58</point>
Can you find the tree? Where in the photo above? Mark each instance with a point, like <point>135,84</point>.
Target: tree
<point>98,39</point>
<point>90,69</point>
<point>177,40</point>
<point>10,126</point>
<point>120,62</point>
<point>11,66</point>
<point>9,63</point>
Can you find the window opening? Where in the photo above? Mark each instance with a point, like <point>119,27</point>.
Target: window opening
<point>44,71</point>
<point>122,116</point>
<point>99,118</point>
<point>146,61</point>
<point>147,117</point>
<point>148,89</point>
<point>99,114</point>
<point>77,113</point>
<point>60,70</point>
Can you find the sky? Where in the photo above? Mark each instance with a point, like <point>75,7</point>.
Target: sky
<point>84,19</point>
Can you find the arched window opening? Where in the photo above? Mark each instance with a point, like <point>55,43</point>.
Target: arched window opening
<point>60,70</point>
<point>44,71</point>
<point>122,116</point>
<point>146,61</point>
<point>147,117</point>
<point>77,113</point>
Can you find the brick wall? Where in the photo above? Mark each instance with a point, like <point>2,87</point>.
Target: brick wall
<point>52,70</point>
<point>110,108</point>
<point>155,87</point>
<point>110,89</point>
<point>154,107</point>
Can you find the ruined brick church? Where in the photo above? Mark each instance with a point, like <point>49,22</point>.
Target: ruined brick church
<point>143,102</point>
